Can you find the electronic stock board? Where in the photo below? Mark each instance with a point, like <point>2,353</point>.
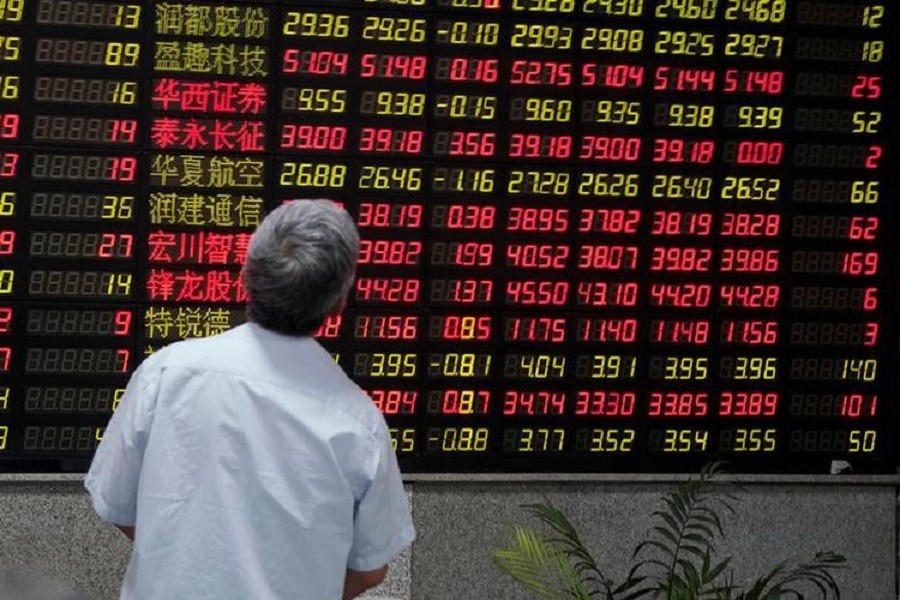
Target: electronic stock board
<point>597,235</point>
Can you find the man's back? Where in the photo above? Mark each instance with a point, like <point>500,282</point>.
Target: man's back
<point>255,458</point>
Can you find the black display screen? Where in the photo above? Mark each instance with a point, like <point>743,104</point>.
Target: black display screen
<point>597,235</point>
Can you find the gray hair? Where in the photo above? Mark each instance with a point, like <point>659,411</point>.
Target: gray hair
<point>300,266</point>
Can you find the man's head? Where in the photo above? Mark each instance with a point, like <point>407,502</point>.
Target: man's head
<point>300,266</point>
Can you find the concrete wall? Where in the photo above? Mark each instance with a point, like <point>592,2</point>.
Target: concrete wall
<point>46,525</point>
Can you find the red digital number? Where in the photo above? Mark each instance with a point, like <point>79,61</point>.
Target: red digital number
<point>9,163</point>
<point>459,327</point>
<point>681,223</point>
<point>382,139</point>
<point>678,150</point>
<point>863,228</point>
<point>684,80</point>
<point>607,258</point>
<point>855,406</point>
<point>393,289</point>
<point>750,152</point>
<point>9,126</point>
<point>678,404</point>
<point>612,76</point>
<point>671,258</point>
<point>530,219</point>
<point>607,330</point>
<point>604,220</point>
<point>873,158</point>
<point>465,402</point>
<point>749,260</point>
<point>6,315</point>
<point>123,130</point>
<point>751,82</point>
<point>115,245</point>
<point>604,293</point>
<point>395,402</point>
<point>473,70</point>
<point>748,404</point>
<point>472,143</point>
<point>534,145</point>
<point>316,62</point>
<point>389,252</point>
<point>7,242</point>
<point>313,137</point>
<point>331,328</point>
<point>604,403</point>
<point>537,293</point>
<point>383,214</point>
<point>866,86</point>
<point>750,296</point>
<point>535,329</point>
<point>123,168</point>
<point>469,216</point>
<point>594,147</point>
<point>123,322</point>
<point>750,224</point>
<point>394,66</point>
<point>387,327</point>
<point>752,333</point>
<point>534,403</point>
<point>535,72</point>
<point>537,256</point>
<point>859,263</point>
<point>684,295</point>
<point>5,358</point>
<point>679,332</point>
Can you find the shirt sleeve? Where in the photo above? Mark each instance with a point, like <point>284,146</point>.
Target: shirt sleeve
<point>382,524</point>
<point>112,480</point>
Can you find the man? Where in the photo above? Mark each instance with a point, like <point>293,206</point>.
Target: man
<point>247,466</point>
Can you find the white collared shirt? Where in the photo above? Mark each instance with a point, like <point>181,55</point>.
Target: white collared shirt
<point>252,468</point>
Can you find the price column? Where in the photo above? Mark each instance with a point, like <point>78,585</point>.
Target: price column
<point>210,99</point>
<point>839,228</point>
<point>463,220</point>
<point>607,219</point>
<point>11,28</point>
<point>752,262</point>
<point>80,186</point>
<point>681,261</point>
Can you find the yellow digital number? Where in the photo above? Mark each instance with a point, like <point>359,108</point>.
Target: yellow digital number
<point>10,47</point>
<point>862,441</point>
<point>393,364</point>
<point>315,175</point>
<point>612,40</point>
<point>389,178</point>
<point>615,112</point>
<point>545,110</point>
<point>754,440</point>
<point>122,54</point>
<point>117,398</point>
<point>317,100</point>
<point>757,11</point>
<point>7,277</point>
<point>612,366</point>
<point>551,6</point>
<point>612,440</point>
<point>754,45</point>
<point>98,434</point>
<point>7,204</point>
<point>685,440</point>
<point>9,87</point>
<point>760,117</point>
<point>128,16</point>
<point>4,432</point>
<point>614,8</point>
<point>690,115</point>
<point>541,440</point>
<point>391,29</point>
<point>117,207</point>
<point>551,37</point>
<point>683,368</point>
<point>4,397</point>
<point>685,43</point>
<point>751,188</point>
<point>395,104</point>
<point>865,192</point>
<point>865,121</point>
<point>687,9</point>
<point>461,439</point>
<point>403,440</point>
<point>125,92</point>
<point>460,364</point>
<point>873,51</point>
<point>680,186</point>
<point>609,185</point>
<point>755,368</point>
<point>467,33</point>
<point>872,16</point>
<point>119,284</point>
<point>11,10</point>
<point>322,25</point>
